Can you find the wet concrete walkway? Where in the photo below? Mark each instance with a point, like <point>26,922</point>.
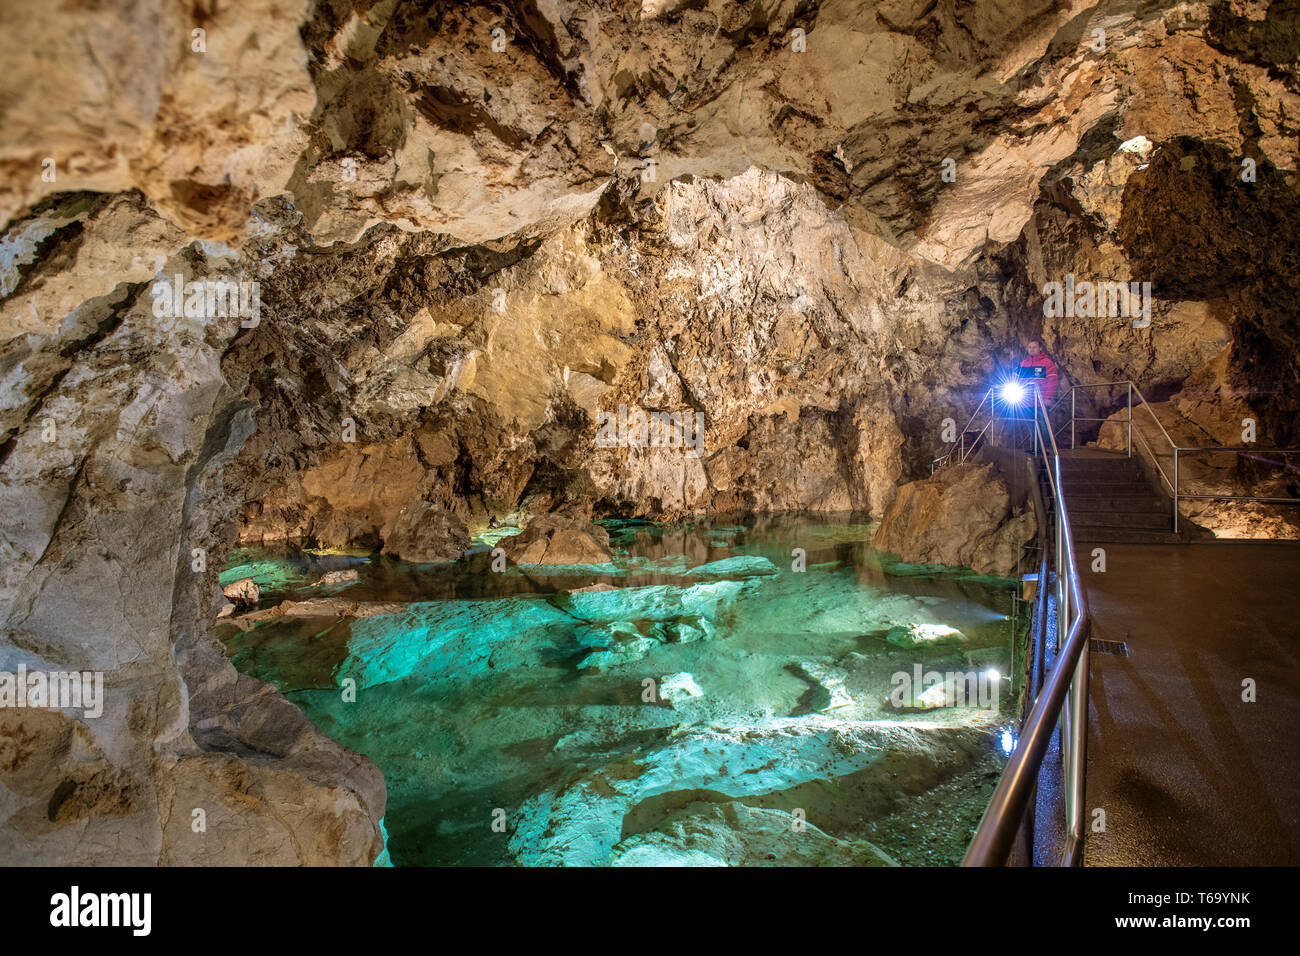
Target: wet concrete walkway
<point>1188,773</point>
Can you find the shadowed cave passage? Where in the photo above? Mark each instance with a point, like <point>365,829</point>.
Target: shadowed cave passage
<point>521,694</point>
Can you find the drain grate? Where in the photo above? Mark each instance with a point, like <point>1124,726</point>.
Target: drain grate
<point>1118,648</point>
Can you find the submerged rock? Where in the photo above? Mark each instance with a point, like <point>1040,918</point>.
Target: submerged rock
<point>740,566</point>
<point>318,607</point>
<point>700,603</point>
<point>629,646</point>
<point>437,638</point>
<point>828,692</point>
<point>243,592</point>
<point>733,834</point>
<point>679,687</point>
<point>915,635</point>
<point>584,822</point>
<point>338,577</point>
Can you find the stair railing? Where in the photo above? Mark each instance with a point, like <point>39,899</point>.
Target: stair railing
<point>1176,450</point>
<point>1064,697</point>
<point>1263,499</point>
<point>959,445</point>
<point>1133,391</point>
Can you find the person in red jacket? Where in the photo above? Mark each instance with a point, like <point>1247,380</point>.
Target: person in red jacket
<point>1039,371</point>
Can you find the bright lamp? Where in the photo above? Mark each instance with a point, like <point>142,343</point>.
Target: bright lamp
<point>1013,393</point>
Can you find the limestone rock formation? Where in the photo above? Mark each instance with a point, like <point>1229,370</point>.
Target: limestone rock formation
<point>732,834</point>
<point>924,635</point>
<point>111,484</point>
<point>244,591</point>
<point>423,532</point>
<point>586,822</point>
<point>961,516</point>
<point>338,577</point>
<point>559,539</point>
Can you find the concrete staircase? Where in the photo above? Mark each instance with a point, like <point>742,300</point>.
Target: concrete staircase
<point>1112,502</point>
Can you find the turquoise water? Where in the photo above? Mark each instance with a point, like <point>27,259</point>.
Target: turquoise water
<point>715,705</point>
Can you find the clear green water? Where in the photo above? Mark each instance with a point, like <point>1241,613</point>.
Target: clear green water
<point>703,712</point>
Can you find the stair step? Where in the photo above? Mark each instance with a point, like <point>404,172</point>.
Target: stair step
<point>1081,465</point>
<point>1125,536</point>
<point>1108,488</point>
<point>1128,520</point>
<point>1135,502</point>
<point>1108,474</point>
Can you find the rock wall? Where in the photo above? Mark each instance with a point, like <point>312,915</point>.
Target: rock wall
<point>115,518</point>
<point>961,517</point>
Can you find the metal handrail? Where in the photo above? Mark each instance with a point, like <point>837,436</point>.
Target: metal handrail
<point>1263,499</point>
<point>1151,412</point>
<point>1155,462</point>
<point>967,452</point>
<point>1142,401</point>
<point>1176,449</point>
<point>1069,679</point>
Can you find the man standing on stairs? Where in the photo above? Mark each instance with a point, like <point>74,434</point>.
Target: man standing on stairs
<point>1038,371</point>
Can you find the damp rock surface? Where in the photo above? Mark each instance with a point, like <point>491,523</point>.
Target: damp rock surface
<point>960,516</point>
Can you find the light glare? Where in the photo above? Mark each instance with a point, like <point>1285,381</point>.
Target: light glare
<point>1013,393</point>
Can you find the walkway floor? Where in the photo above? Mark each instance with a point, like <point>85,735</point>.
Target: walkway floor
<point>1189,774</point>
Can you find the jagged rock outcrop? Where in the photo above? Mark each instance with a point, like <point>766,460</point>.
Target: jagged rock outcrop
<point>111,484</point>
<point>961,516</point>
<point>559,539</point>
<point>426,533</point>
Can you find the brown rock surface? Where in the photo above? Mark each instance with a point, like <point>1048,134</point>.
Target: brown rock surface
<point>425,533</point>
<point>559,539</point>
<point>960,517</point>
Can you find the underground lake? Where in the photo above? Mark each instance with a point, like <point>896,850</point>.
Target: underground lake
<point>743,690</point>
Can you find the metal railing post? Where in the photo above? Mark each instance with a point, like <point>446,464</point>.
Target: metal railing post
<point>1077,760</point>
<point>1175,489</point>
<point>993,421</point>
<point>1130,419</point>
<point>1062,621</point>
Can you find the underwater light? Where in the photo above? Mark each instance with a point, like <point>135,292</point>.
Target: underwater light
<point>1012,392</point>
<point>1007,741</point>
